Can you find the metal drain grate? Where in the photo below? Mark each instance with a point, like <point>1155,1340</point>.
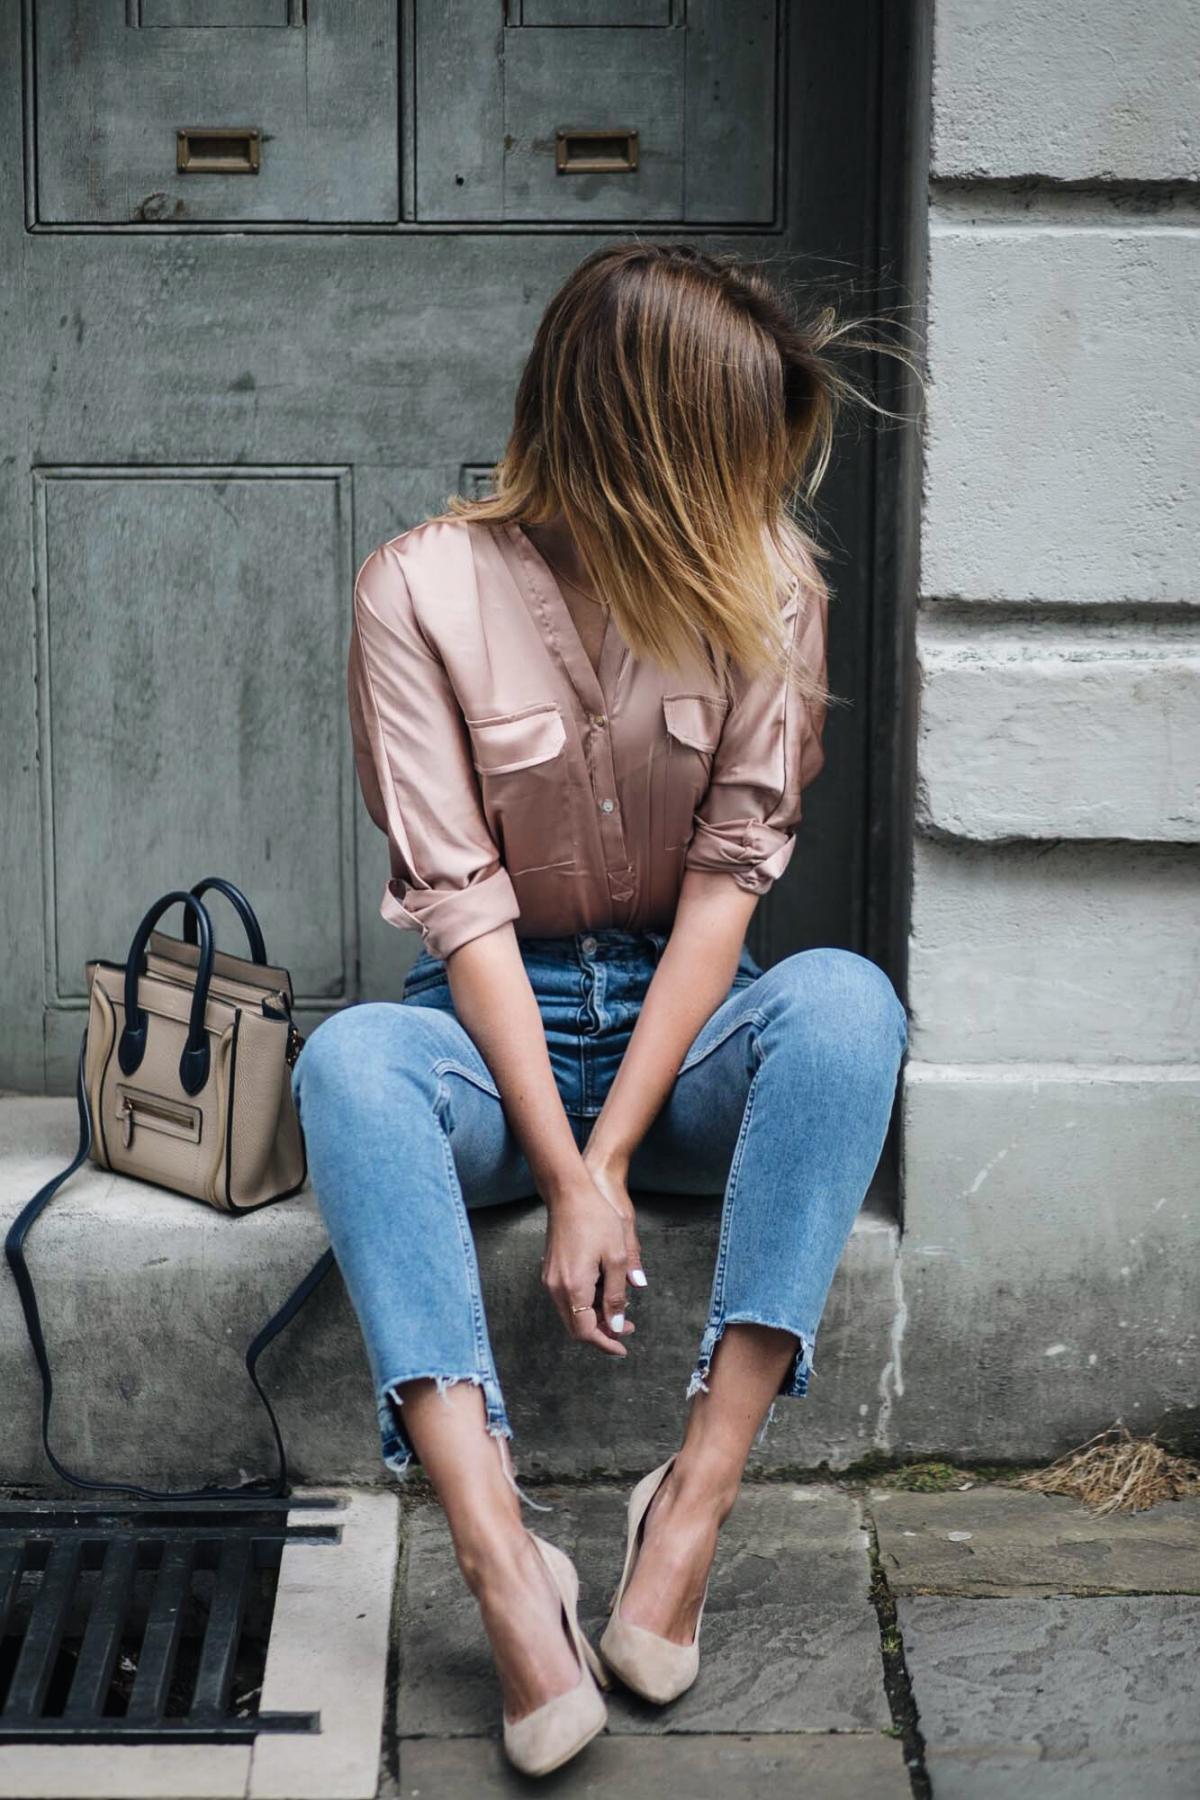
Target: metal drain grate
<point>149,1625</point>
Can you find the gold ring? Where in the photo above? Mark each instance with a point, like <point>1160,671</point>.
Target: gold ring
<point>576,1309</point>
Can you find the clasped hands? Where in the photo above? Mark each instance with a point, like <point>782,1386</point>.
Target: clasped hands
<point>592,1251</point>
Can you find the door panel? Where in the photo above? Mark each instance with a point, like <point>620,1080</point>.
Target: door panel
<point>198,14</point>
<point>594,12</point>
<point>190,627</point>
<point>311,93</point>
<point>616,82</point>
<point>685,100</point>
<point>205,429</point>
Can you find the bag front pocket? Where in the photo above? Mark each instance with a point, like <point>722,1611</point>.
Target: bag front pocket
<point>138,1110</point>
<point>523,778</point>
<point>694,723</point>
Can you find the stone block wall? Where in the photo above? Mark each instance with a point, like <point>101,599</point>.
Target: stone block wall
<point>1048,1277</point>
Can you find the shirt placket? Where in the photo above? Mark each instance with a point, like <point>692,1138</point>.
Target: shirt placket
<point>604,789</point>
<point>592,689</point>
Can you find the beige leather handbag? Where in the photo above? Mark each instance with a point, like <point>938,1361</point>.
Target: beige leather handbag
<point>188,1064</point>
<point>184,1080</point>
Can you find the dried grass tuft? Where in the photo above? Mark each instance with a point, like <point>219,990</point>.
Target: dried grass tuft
<point>1116,1472</point>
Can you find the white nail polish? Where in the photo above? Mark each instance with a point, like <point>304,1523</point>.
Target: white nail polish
<point>618,1321</point>
<point>638,1278</point>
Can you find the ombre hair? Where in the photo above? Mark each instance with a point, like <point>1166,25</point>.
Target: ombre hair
<point>674,408</point>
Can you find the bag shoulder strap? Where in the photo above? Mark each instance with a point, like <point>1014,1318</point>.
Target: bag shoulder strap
<point>14,1250</point>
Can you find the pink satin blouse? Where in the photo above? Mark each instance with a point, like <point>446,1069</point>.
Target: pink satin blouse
<point>515,781</point>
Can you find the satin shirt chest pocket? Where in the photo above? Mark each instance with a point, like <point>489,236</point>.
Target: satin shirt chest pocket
<point>693,724</point>
<point>520,758</point>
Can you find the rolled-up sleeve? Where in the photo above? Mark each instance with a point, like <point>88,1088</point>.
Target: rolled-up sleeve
<point>770,749</point>
<point>412,757</point>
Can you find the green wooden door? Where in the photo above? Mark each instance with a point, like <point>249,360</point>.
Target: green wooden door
<point>268,272</point>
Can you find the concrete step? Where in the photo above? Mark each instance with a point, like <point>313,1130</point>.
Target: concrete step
<point>149,1300</point>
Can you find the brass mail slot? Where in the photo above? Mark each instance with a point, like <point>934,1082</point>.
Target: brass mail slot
<point>595,152</point>
<point>218,149</point>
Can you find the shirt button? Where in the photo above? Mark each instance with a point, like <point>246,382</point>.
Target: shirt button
<point>599,719</point>
<point>606,806</point>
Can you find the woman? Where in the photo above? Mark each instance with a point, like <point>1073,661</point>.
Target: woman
<point>584,711</point>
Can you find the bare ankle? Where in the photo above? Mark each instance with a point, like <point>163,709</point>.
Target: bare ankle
<point>705,1486</point>
<point>492,1549</point>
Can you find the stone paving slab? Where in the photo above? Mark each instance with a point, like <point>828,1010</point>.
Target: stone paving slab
<point>790,1639</point>
<point>997,1540</point>
<point>1108,1678</point>
<point>846,1766</point>
<point>1005,1775</point>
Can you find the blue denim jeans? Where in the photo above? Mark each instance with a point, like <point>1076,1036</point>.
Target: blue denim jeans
<point>782,1103</point>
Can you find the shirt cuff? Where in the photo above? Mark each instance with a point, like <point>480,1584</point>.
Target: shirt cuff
<point>753,853</point>
<point>448,918</point>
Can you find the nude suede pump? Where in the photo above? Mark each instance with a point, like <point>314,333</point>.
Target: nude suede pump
<point>654,1667</point>
<point>552,1734</point>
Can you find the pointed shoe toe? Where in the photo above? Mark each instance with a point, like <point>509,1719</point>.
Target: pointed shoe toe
<point>553,1733</point>
<point>550,1736</point>
<point>655,1667</point>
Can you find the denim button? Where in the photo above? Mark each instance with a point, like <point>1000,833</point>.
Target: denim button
<point>587,945</point>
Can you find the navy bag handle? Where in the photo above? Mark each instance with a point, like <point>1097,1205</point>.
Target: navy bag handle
<point>242,907</point>
<point>194,1060</point>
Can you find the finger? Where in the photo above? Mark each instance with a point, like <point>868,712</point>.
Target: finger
<point>566,1296</point>
<point>563,1309</point>
<point>614,1298</point>
<point>581,1312</point>
<point>604,1315</point>
<point>633,1253</point>
<point>587,1327</point>
<point>601,1339</point>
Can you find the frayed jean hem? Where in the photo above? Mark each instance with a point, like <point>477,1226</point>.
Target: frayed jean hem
<point>796,1377</point>
<point>395,1445</point>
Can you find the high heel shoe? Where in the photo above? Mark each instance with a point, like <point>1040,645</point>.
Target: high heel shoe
<point>653,1666</point>
<point>553,1733</point>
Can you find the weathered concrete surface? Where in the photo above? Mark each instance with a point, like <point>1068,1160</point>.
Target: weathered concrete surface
<point>149,1301</point>
<point>1066,379</point>
<point>1016,729</point>
<point>1005,1541</point>
<point>845,1766</point>
<point>790,1638</point>
<point>986,1775</point>
<point>124,1771</point>
<point>579,1414</point>
<point>1059,952</point>
<point>1048,1263</point>
<point>1079,90</point>
<point>1107,1681</point>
